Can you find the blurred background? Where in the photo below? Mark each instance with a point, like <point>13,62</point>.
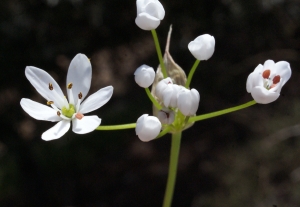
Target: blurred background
<point>247,158</point>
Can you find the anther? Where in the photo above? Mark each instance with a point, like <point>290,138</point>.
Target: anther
<point>79,116</point>
<point>266,74</point>
<point>49,103</point>
<point>50,86</point>
<point>58,113</point>
<point>80,95</point>
<point>70,85</point>
<point>276,79</point>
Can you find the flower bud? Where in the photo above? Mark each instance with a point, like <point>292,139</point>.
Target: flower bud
<point>188,101</point>
<point>147,127</point>
<point>203,47</point>
<point>144,76</point>
<point>166,116</point>
<point>161,86</point>
<point>149,14</point>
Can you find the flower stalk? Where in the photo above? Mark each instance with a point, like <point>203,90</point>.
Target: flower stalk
<point>159,54</point>
<point>192,71</point>
<point>175,148</point>
<point>117,127</point>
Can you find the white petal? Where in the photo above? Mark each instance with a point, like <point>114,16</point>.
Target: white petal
<point>86,124</point>
<point>96,100</point>
<point>203,47</point>
<point>263,96</point>
<point>146,22</point>
<point>144,76</point>
<point>155,9</point>
<point>56,131</point>
<point>269,64</point>
<point>80,74</point>
<point>147,127</point>
<point>184,102</point>
<point>39,111</point>
<point>284,70</point>
<point>40,81</point>
<point>195,101</point>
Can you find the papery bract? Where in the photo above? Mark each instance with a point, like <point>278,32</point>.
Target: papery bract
<point>64,111</point>
<point>203,47</point>
<point>147,127</point>
<point>144,76</point>
<point>149,14</point>
<point>266,81</point>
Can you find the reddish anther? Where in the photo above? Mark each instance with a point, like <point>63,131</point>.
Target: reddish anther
<point>276,79</point>
<point>266,74</point>
<point>79,116</point>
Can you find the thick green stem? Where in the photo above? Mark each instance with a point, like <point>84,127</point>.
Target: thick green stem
<point>192,71</point>
<point>159,54</point>
<point>155,103</point>
<point>175,147</point>
<point>221,112</point>
<point>117,127</point>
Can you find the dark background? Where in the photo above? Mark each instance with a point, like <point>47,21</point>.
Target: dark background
<point>247,158</point>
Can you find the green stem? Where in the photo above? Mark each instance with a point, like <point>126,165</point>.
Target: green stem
<point>192,71</point>
<point>175,147</point>
<point>159,54</point>
<point>155,103</point>
<point>221,112</point>
<point>117,127</point>
<point>163,132</point>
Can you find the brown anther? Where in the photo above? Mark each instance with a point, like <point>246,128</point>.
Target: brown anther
<point>58,113</point>
<point>80,95</point>
<point>70,85</point>
<point>79,116</point>
<point>266,74</point>
<point>50,86</point>
<point>276,79</point>
<point>49,103</point>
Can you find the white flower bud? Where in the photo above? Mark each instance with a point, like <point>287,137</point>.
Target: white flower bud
<point>149,14</point>
<point>166,116</point>
<point>161,86</point>
<point>203,47</point>
<point>144,76</point>
<point>169,95</point>
<point>147,127</point>
<point>188,101</point>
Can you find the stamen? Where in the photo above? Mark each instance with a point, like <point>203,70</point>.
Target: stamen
<point>70,85</point>
<point>79,116</point>
<point>266,74</point>
<point>49,103</point>
<point>50,86</point>
<point>80,95</point>
<point>58,113</point>
<point>276,79</point>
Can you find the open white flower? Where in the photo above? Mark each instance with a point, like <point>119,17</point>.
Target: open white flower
<point>62,110</point>
<point>149,14</point>
<point>203,47</point>
<point>266,81</point>
<point>147,127</point>
<point>144,76</point>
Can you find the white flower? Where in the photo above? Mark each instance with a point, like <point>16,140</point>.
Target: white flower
<point>147,127</point>
<point>61,110</point>
<point>149,14</point>
<point>161,86</point>
<point>266,81</point>
<point>144,76</point>
<point>203,47</point>
<point>166,116</point>
<point>188,101</point>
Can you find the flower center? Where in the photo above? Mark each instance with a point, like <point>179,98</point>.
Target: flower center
<point>270,82</point>
<point>68,112</point>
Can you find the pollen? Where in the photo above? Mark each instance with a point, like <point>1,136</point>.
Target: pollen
<point>70,85</point>
<point>50,86</point>
<point>80,95</point>
<point>49,103</point>
<point>79,116</point>
<point>266,74</point>
<point>276,79</point>
<point>58,113</point>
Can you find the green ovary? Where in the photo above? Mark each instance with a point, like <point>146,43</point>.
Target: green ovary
<point>68,112</point>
